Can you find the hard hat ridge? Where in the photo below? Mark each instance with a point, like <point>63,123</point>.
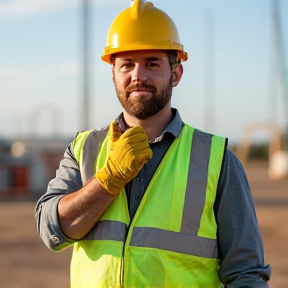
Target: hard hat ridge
<point>137,8</point>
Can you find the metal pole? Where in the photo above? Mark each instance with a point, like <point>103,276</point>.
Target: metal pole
<point>280,53</point>
<point>210,71</point>
<point>86,66</point>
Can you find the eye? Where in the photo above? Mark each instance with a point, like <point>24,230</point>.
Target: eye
<point>126,66</point>
<point>152,65</point>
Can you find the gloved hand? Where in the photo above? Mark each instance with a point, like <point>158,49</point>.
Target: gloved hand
<point>127,155</point>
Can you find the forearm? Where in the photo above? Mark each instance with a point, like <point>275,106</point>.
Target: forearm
<point>79,211</point>
<point>67,181</point>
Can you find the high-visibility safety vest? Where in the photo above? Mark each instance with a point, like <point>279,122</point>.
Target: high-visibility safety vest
<point>171,241</point>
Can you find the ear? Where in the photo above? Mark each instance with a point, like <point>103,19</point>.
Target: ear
<point>113,74</point>
<point>177,74</point>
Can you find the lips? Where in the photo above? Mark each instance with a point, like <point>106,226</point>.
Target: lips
<point>140,93</point>
<point>140,88</point>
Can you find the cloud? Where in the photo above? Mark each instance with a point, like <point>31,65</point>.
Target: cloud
<point>22,8</point>
<point>18,8</point>
<point>70,69</point>
<point>9,71</point>
<point>65,69</point>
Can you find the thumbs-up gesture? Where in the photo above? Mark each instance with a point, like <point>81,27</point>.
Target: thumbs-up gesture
<point>127,155</point>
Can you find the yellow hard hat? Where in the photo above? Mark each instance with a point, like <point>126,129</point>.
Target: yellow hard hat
<point>143,27</point>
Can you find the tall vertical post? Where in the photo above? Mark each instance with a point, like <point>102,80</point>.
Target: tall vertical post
<point>86,10</point>
<point>209,88</point>
<point>281,69</point>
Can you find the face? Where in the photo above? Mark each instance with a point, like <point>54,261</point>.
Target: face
<point>144,81</point>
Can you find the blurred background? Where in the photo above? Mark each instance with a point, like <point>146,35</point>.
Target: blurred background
<point>54,84</point>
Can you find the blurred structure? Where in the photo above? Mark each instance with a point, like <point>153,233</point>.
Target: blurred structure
<point>54,118</point>
<point>278,165</point>
<point>277,157</point>
<point>246,143</point>
<point>277,146</point>
<point>26,166</point>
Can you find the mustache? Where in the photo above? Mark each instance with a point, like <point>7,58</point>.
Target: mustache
<point>145,86</point>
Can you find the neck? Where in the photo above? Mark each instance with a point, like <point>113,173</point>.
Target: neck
<point>154,125</point>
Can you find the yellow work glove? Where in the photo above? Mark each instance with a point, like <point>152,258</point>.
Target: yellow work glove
<point>127,155</point>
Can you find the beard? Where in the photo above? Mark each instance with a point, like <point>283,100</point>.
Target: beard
<point>141,107</point>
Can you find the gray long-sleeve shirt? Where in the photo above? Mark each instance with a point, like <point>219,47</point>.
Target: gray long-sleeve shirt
<point>239,240</point>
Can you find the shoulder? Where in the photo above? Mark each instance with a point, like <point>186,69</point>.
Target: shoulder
<point>231,161</point>
<point>233,179</point>
<point>91,138</point>
<point>81,136</point>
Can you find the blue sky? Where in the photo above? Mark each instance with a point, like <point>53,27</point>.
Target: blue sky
<point>40,65</point>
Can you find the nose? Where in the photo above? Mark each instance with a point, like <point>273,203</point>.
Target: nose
<point>139,73</point>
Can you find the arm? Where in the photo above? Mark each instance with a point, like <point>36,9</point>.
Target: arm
<point>68,211</point>
<point>79,211</point>
<point>67,181</point>
<point>239,238</point>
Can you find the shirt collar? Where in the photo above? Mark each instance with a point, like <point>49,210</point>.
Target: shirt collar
<point>174,127</point>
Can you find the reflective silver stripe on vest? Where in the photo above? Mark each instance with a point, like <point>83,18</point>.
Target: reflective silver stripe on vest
<point>91,149</point>
<point>174,241</point>
<point>107,230</point>
<point>197,182</point>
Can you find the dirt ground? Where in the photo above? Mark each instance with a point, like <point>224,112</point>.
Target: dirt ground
<point>26,263</point>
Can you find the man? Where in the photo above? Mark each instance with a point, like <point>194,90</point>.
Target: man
<point>150,201</point>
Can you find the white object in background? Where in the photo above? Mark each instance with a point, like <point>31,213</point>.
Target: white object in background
<point>278,165</point>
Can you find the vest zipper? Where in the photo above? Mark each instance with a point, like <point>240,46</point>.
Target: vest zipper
<point>124,246</point>
<point>122,260</point>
